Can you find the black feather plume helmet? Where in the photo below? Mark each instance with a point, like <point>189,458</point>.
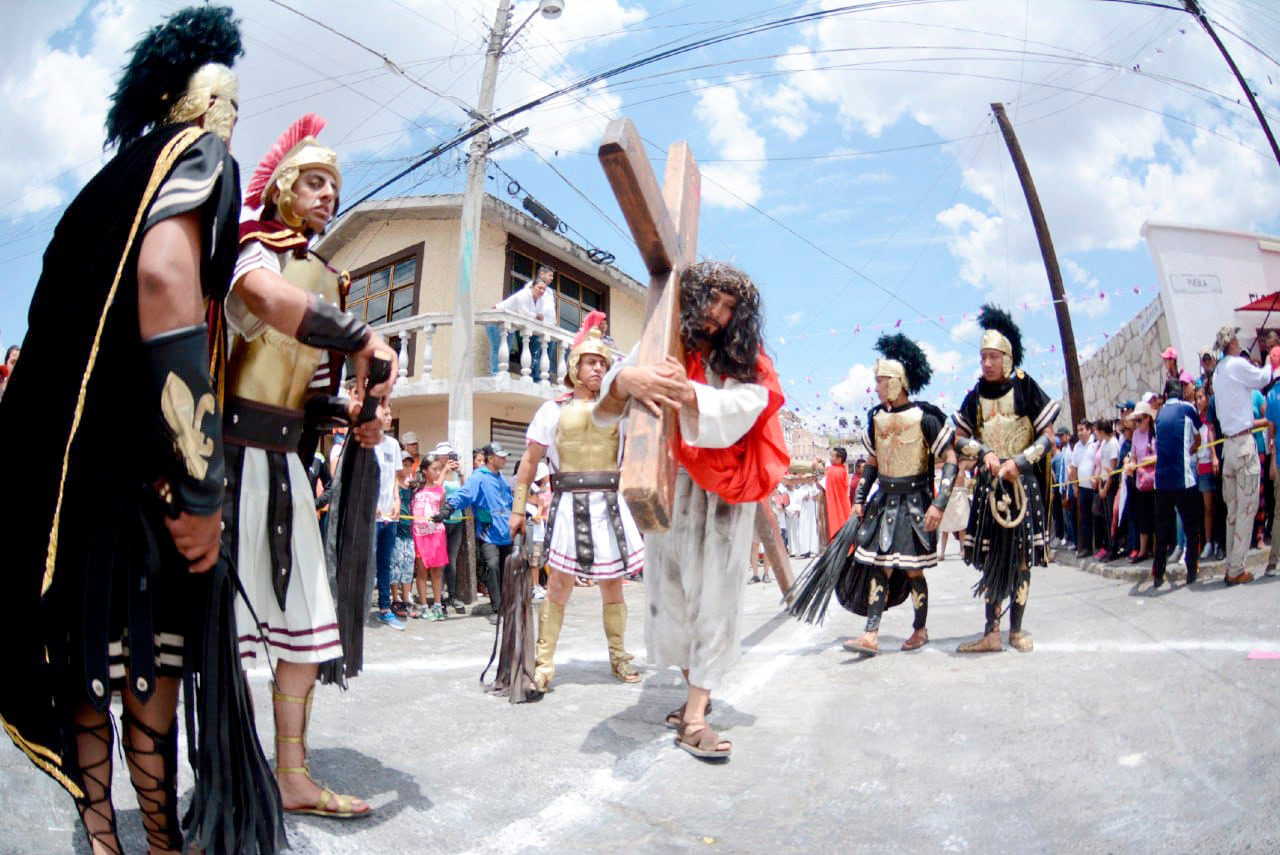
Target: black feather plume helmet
<point>163,61</point>
<point>992,317</point>
<point>914,362</point>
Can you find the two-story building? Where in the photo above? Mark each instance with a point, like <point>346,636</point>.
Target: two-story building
<point>403,257</point>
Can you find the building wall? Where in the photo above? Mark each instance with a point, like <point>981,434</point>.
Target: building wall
<point>1205,275</point>
<point>1128,366</point>
<point>439,277</point>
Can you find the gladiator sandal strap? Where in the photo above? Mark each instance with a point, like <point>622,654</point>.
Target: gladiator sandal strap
<point>157,793</point>
<point>96,784</point>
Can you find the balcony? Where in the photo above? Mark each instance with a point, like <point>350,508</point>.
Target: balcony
<point>421,375</point>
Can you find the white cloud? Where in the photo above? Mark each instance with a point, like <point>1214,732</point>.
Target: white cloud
<point>55,99</point>
<point>732,137</point>
<point>852,390</point>
<point>793,320</point>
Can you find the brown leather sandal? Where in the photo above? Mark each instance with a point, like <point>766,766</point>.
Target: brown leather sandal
<point>702,742</point>
<point>675,718</point>
<point>916,642</point>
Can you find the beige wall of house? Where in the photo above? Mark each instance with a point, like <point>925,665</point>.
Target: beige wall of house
<point>375,237</point>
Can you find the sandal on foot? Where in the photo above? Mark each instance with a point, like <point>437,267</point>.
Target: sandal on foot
<point>329,803</point>
<point>1021,642</point>
<point>989,643</point>
<point>702,742</point>
<point>914,643</point>
<point>676,717</point>
<point>865,650</point>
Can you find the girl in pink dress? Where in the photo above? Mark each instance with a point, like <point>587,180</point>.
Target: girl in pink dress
<point>429,537</point>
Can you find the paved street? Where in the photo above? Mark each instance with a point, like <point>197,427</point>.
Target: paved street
<point>1138,724</point>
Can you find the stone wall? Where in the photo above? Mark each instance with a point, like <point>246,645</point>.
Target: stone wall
<point>1128,366</point>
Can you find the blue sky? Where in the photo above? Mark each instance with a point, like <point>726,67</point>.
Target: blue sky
<point>850,165</point>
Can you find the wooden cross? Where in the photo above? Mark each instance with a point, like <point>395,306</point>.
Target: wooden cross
<point>664,223</point>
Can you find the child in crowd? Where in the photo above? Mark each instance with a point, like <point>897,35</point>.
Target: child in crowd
<point>402,553</point>
<point>429,538</point>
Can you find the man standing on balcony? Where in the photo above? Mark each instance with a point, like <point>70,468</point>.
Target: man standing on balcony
<point>730,454</point>
<point>537,301</point>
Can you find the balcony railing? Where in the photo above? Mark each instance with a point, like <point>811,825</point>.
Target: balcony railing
<point>418,378</point>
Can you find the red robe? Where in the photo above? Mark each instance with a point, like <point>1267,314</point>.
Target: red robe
<point>750,469</point>
<point>838,506</point>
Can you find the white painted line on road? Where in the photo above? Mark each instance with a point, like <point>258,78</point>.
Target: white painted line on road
<point>1183,646</point>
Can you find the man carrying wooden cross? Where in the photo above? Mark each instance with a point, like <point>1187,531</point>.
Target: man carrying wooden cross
<point>730,454</point>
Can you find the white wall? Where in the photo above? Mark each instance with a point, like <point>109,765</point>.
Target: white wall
<point>1205,274</point>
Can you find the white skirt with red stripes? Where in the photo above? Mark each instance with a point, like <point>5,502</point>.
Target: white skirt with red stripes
<point>306,629</point>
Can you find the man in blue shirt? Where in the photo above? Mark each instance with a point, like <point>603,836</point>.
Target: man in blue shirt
<point>1177,426</point>
<point>490,495</point>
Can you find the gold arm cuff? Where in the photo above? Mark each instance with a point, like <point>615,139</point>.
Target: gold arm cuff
<point>519,498</point>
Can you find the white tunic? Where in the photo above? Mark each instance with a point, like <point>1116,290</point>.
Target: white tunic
<point>694,584</point>
<point>804,538</point>
<point>306,630</point>
<point>608,560</point>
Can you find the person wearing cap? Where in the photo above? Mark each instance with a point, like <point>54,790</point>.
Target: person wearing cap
<point>1172,380</point>
<point>409,442</point>
<point>1208,362</point>
<point>1060,499</point>
<point>488,492</point>
<point>454,531</point>
<point>591,534</point>
<point>1177,439</point>
<point>1234,380</point>
<point>1140,479</point>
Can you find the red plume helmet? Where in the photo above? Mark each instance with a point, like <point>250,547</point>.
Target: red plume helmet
<point>590,339</point>
<point>307,126</point>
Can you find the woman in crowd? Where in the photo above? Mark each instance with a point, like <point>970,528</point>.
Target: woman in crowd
<point>402,552</point>
<point>1142,496</point>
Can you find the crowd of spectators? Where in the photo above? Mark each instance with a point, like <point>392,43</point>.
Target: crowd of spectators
<point>1186,473</point>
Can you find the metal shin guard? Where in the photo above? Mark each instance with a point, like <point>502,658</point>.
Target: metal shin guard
<point>615,626</point>
<point>919,599</point>
<point>877,595</point>
<point>550,619</point>
<point>1018,603</point>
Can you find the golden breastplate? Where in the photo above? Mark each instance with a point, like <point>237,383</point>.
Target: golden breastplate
<point>900,447</point>
<point>1001,429</point>
<point>274,368</point>
<point>582,444</point>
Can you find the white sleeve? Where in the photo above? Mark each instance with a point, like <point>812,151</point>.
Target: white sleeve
<point>602,419</point>
<point>1251,376</point>
<point>724,415</point>
<point>542,429</point>
<point>253,256</point>
<point>508,304</point>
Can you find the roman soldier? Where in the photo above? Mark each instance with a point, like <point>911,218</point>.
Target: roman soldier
<point>114,578</point>
<point>590,532</point>
<point>1005,424</point>
<point>880,555</point>
<point>291,335</point>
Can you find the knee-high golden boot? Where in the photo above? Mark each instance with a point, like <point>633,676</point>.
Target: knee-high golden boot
<point>615,625</point>
<point>550,619</point>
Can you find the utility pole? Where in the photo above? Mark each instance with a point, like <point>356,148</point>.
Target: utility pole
<point>462,369</point>
<point>1193,7</point>
<point>1075,389</point>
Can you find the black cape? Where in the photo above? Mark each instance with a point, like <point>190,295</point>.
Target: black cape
<point>80,429</point>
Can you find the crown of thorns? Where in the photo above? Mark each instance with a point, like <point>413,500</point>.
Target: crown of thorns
<point>722,277</point>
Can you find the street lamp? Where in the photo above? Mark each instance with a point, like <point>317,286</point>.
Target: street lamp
<point>550,9</point>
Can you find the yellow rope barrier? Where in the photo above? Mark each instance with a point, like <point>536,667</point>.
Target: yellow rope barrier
<point>1146,461</point>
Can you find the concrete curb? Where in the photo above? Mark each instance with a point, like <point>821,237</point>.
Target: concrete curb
<point>1122,570</point>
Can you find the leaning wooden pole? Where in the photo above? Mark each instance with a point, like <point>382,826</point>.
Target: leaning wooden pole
<point>1075,388</point>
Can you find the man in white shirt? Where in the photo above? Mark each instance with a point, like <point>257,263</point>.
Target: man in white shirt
<point>537,301</point>
<point>1234,380</point>
<point>1082,473</point>
<point>390,461</point>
